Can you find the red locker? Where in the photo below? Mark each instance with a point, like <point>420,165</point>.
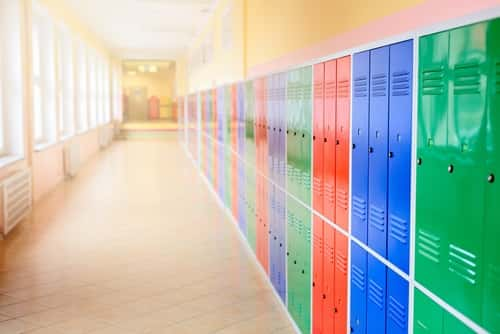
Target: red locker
<point>340,304</point>
<point>330,138</point>
<point>329,279</point>
<point>214,126</point>
<point>234,145</point>
<point>318,257</point>
<point>342,135</point>
<point>318,135</point>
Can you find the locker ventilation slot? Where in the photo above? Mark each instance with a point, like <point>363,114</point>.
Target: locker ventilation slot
<point>330,253</point>
<point>398,229</point>
<point>400,83</point>
<point>317,186</point>
<point>342,198</point>
<point>377,218</point>
<point>467,79</point>
<point>379,85</point>
<point>429,246</point>
<point>330,89</point>
<point>343,88</point>
<point>341,262</point>
<point>359,207</point>
<point>433,81</point>
<point>318,90</point>
<point>329,193</point>
<point>361,87</point>
<point>375,293</point>
<point>397,312</point>
<point>462,263</point>
<point>358,277</point>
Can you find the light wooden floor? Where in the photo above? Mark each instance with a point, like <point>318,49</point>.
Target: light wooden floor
<point>134,244</point>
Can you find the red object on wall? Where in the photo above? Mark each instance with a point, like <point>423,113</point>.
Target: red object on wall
<point>318,257</point>
<point>343,135</point>
<point>340,304</point>
<point>154,107</point>
<point>330,143</point>
<point>318,137</point>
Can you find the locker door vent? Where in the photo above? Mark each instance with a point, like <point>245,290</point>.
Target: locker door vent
<point>398,229</point>
<point>330,253</point>
<point>467,79</point>
<point>433,81</point>
<point>318,89</point>
<point>330,89</point>
<point>429,246</point>
<point>462,263</point>
<point>358,277</point>
<point>359,207</point>
<point>377,218</point>
<point>343,88</point>
<point>379,85</point>
<point>376,294</point>
<point>329,193</point>
<point>397,312</point>
<point>400,83</point>
<point>317,188</point>
<point>497,68</point>
<point>307,234</point>
<point>342,198</point>
<point>341,262</point>
<point>361,86</point>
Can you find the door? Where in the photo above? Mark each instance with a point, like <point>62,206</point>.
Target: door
<point>358,289</point>
<point>340,301</point>
<point>317,285</point>
<point>318,135</point>
<point>376,296</point>
<point>397,303</point>
<point>329,139</point>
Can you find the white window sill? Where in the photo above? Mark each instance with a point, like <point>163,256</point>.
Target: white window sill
<point>43,146</point>
<point>9,159</point>
<point>64,138</point>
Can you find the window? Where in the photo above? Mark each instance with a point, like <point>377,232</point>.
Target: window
<point>65,83</point>
<point>92,89</point>
<point>100,87</point>
<point>117,94</point>
<point>82,89</point>
<point>11,82</point>
<point>107,93</point>
<point>44,81</point>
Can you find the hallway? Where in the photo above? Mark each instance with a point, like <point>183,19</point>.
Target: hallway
<point>134,244</point>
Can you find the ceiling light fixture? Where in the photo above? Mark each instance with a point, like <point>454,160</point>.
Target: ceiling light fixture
<point>153,69</point>
<point>142,68</point>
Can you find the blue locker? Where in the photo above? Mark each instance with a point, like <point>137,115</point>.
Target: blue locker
<point>376,296</point>
<point>400,119</point>
<point>358,289</point>
<point>378,150</point>
<point>360,131</point>
<point>241,152</point>
<point>397,303</point>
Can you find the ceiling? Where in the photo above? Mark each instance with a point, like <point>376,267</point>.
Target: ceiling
<point>144,29</point>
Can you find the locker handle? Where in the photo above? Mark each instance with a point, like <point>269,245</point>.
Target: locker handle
<point>450,168</point>
<point>370,150</point>
<point>287,131</point>
<point>281,245</point>
<point>314,137</point>
<point>353,146</point>
<point>295,133</point>
<point>303,271</point>
<point>335,310</point>
<point>303,135</point>
<point>324,296</point>
<point>337,142</point>
<point>280,130</point>
<point>391,154</point>
<point>287,253</point>
<point>419,161</point>
<point>325,139</point>
<point>314,284</point>
<point>491,178</point>
<point>275,238</point>
<point>294,261</point>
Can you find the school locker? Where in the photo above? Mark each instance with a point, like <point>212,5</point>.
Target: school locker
<point>329,279</point>
<point>318,135</point>
<point>291,132</point>
<point>376,296</point>
<point>329,139</point>
<point>241,153</point>
<point>397,303</point>
<point>378,150</point>
<point>360,130</point>
<point>340,294</point>
<point>282,129</point>
<point>221,130</point>
<point>250,195</point>
<point>234,154</point>
<point>359,259</point>
<point>305,134</point>
<point>399,168</point>
<point>317,286</point>
<point>228,169</point>
<point>342,135</point>
<point>281,242</point>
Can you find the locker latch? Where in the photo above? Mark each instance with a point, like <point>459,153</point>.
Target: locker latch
<point>450,168</point>
<point>337,142</point>
<point>325,139</point>
<point>491,178</point>
<point>370,150</point>
<point>419,161</point>
<point>391,154</point>
<point>353,146</point>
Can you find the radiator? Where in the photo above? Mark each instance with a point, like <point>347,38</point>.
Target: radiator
<point>17,199</point>
<point>71,159</point>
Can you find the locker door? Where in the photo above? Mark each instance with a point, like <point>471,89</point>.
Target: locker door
<point>329,280</point>
<point>318,135</point>
<point>358,289</point>
<point>250,217</point>
<point>397,303</point>
<point>329,139</point>
<point>428,316</point>
<point>400,116</point>
<point>342,142</point>
<point>376,296</point>
<point>228,147</point>
<point>282,244</point>
<point>305,269</point>
<point>431,234</point>
<point>273,258</point>
<point>282,129</point>
<point>491,291</point>
<point>360,130</point>
<point>452,325</point>
<point>340,304</point>
<point>234,144</point>
<point>317,285</point>
<point>466,144</point>
<point>306,135</point>
<point>290,120</point>
<point>378,141</point>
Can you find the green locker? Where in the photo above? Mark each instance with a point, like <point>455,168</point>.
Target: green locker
<point>292,132</point>
<point>250,210</point>
<point>249,123</point>
<point>305,132</point>
<point>430,318</point>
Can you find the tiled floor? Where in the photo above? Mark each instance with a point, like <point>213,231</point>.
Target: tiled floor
<point>134,244</point>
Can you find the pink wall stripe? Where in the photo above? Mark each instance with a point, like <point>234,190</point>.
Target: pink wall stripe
<point>426,14</point>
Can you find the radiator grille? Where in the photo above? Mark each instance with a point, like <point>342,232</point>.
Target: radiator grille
<point>17,199</point>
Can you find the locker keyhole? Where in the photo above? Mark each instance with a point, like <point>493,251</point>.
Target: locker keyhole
<point>370,150</point>
<point>491,178</point>
<point>391,154</point>
<point>450,169</point>
<point>314,137</point>
<point>419,161</point>
<point>353,146</point>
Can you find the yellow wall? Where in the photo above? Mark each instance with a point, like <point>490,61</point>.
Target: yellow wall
<point>278,27</point>
<point>159,84</point>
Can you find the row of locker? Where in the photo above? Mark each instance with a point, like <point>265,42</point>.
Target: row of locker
<point>457,159</point>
